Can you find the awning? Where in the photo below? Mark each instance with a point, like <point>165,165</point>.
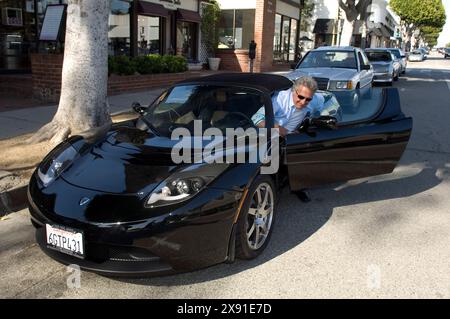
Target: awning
<point>188,16</point>
<point>152,9</point>
<point>325,26</point>
<point>385,31</point>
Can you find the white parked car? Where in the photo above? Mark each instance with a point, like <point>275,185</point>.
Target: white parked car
<point>336,68</point>
<point>386,67</point>
<point>416,56</point>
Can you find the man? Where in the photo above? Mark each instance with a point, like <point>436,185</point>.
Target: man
<point>291,106</point>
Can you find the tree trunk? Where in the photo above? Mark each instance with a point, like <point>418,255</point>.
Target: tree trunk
<point>347,32</point>
<point>83,108</point>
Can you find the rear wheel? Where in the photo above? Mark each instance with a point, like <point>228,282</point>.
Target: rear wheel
<point>255,223</point>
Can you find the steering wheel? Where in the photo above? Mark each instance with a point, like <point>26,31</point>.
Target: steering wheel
<point>241,119</point>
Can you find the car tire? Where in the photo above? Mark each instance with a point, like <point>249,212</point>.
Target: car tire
<point>396,77</point>
<point>390,83</point>
<point>256,218</point>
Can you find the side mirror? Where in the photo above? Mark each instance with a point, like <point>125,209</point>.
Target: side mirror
<point>325,121</point>
<point>366,67</point>
<point>138,108</point>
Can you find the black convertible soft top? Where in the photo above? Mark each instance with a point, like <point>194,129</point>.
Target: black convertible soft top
<point>270,82</point>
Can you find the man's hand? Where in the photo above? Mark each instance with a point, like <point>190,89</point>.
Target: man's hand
<point>282,130</point>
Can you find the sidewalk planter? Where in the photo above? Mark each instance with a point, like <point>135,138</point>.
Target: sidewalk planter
<point>214,63</point>
<point>195,66</point>
<point>47,71</point>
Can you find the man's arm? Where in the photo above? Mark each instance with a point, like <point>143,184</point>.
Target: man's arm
<point>282,130</point>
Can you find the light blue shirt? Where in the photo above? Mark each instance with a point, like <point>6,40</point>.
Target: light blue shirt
<point>285,112</point>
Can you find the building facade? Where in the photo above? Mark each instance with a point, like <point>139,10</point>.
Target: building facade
<point>136,27</point>
<point>272,24</point>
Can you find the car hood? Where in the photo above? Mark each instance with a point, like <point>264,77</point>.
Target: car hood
<point>330,73</point>
<point>128,160</point>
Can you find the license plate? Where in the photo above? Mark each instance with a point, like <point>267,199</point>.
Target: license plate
<point>65,240</point>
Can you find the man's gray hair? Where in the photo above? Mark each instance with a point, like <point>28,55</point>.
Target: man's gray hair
<point>306,81</point>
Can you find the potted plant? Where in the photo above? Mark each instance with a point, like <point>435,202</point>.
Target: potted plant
<point>210,32</point>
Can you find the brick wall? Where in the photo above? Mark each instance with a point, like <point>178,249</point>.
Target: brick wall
<point>264,33</point>
<point>234,60</point>
<point>47,70</point>
<point>46,76</point>
<point>16,85</point>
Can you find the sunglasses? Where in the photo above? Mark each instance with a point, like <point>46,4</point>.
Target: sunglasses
<point>301,97</point>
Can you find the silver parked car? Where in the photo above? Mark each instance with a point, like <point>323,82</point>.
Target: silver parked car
<point>336,68</point>
<point>400,56</point>
<point>386,67</point>
<point>416,56</point>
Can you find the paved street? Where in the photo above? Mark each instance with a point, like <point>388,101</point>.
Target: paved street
<point>386,236</point>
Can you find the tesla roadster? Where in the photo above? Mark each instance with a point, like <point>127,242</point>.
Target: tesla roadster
<point>121,205</point>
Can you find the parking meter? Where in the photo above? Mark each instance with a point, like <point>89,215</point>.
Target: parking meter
<point>252,54</point>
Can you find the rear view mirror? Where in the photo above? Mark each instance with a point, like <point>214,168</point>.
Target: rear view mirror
<point>325,121</point>
<point>138,108</point>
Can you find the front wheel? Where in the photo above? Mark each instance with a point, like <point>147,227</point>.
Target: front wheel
<point>255,223</point>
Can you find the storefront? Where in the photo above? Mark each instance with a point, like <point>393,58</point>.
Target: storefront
<point>272,24</point>
<point>136,27</point>
<point>143,27</point>
<point>20,22</point>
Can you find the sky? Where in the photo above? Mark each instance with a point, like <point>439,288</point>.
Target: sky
<point>444,38</point>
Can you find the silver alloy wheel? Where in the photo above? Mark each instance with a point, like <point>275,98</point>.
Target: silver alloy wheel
<point>259,217</point>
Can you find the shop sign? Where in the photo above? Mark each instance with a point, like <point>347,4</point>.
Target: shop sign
<point>52,22</point>
<point>171,3</point>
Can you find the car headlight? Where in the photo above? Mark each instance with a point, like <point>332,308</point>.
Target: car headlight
<point>55,164</point>
<point>184,184</point>
<point>344,85</point>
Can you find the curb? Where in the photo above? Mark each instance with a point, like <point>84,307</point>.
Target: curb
<point>13,200</point>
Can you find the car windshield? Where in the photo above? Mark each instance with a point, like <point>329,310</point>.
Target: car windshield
<point>378,56</point>
<point>329,59</point>
<point>209,105</point>
<point>396,53</point>
<point>416,52</point>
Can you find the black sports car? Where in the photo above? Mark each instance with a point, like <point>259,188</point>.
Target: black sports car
<point>121,205</point>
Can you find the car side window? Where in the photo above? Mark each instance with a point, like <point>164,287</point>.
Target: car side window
<point>362,60</point>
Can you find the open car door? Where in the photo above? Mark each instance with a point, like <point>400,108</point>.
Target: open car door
<point>354,149</point>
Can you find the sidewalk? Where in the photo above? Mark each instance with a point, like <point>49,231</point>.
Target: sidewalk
<point>26,120</point>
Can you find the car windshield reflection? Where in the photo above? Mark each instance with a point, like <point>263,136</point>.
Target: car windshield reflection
<point>352,106</point>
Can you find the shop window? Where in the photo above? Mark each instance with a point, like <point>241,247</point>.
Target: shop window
<point>277,39</point>
<point>292,40</point>
<point>285,39</point>
<point>149,35</point>
<point>236,28</point>
<point>119,28</point>
<point>186,41</point>
<point>226,33</point>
